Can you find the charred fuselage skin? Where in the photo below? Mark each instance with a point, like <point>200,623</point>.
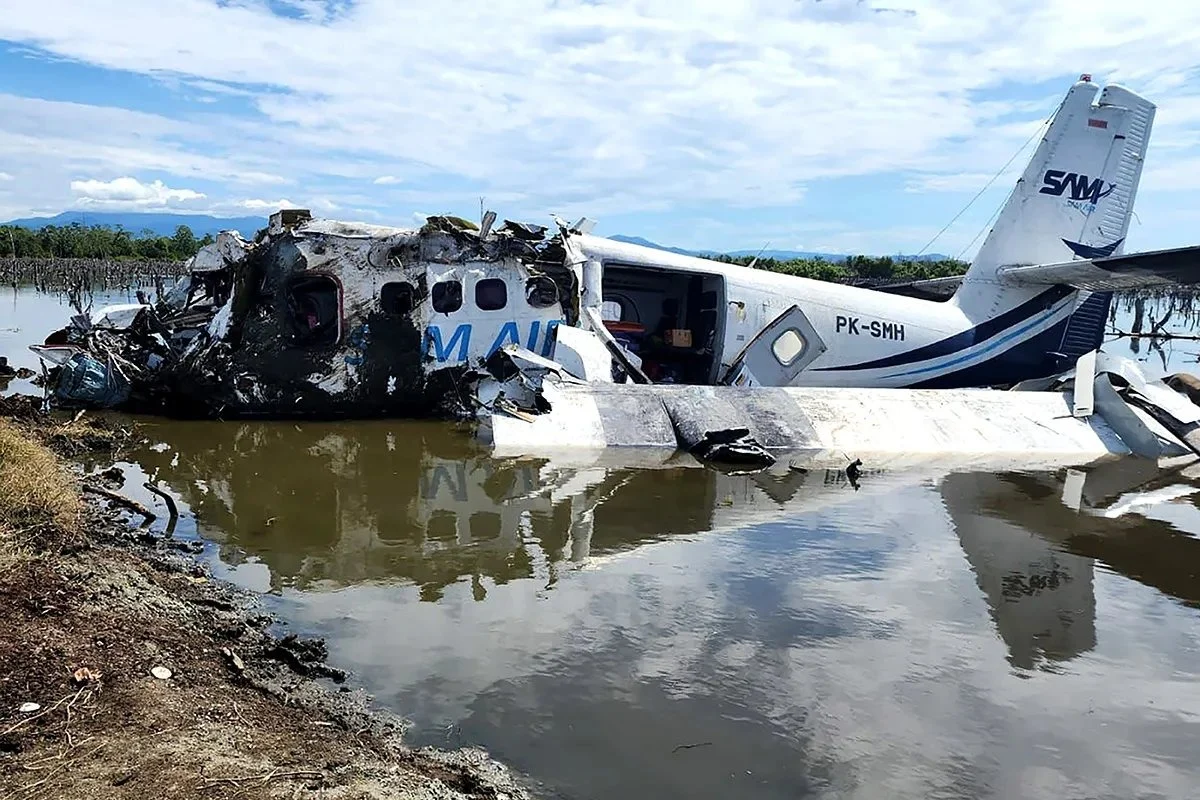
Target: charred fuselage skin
<point>321,319</point>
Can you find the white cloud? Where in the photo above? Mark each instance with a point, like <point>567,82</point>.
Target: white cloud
<point>601,109</point>
<point>387,180</point>
<point>255,204</point>
<point>4,176</point>
<point>961,182</point>
<point>127,192</point>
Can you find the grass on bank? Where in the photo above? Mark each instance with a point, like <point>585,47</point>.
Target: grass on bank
<point>37,494</point>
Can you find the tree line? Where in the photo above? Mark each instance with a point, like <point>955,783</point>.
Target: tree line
<point>98,241</point>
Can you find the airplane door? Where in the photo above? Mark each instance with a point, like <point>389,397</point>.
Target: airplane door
<point>777,353</point>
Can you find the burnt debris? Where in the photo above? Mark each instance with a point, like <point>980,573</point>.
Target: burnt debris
<point>313,318</point>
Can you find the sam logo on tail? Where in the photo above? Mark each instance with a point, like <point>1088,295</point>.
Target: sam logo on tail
<point>1056,182</point>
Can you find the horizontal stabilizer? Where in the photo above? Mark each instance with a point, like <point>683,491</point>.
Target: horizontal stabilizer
<point>927,289</point>
<point>1180,266</point>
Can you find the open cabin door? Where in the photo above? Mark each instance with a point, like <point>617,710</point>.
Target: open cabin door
<point>778,353</point>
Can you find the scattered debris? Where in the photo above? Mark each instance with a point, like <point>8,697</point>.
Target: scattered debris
<point>305,657</point>
<point>122,500</point>
<point>853,472</point>
<point>233,660</point>
<point>265,778</point>
<point>315,318</point>
<point>172,509</point>
<point>86,675</point>
<point>113,476</point>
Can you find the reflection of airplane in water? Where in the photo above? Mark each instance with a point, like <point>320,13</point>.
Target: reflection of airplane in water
<point>379,500</point>
<point>1033,539</point>
<point>411,501</point>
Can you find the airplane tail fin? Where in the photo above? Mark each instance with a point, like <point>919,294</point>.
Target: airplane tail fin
<point>1074,200</point>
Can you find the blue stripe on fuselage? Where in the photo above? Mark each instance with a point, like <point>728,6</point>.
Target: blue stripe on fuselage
<point>968,338</point>
<point>989,348</point>
<point>1025,361</point>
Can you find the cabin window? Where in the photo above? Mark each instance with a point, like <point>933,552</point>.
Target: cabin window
<point>541,292</point>
<point>491,294</point>
<point>447,297</point>
<point>316,306</point>
<point>612,311</point>
<point>396,298</point>
<point>788,346</point>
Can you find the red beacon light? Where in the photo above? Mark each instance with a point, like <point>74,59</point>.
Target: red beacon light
<point>1086,77</point>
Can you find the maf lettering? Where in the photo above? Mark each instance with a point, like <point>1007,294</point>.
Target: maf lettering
<point>1055,182</point>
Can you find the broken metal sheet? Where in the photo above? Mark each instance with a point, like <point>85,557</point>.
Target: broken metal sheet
<point>117,317</point>
<point>529,362</point>
<point>1157,392</point>
<point>56,354</point>
<point>1136,435</point>
<point>582,354</point>
<point>228,249</point>
<point>709,427</point>
<point>1186,432</point>
<point>524,230</point>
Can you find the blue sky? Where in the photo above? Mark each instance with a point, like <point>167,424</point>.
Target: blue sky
<point>833,125</point>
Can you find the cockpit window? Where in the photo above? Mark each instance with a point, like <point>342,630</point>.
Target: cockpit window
<point>541,292</point>
<point>396,298</point>
<point>447,297</point>
<point>316,307</point>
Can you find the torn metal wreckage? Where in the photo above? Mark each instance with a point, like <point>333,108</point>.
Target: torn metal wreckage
<point>321,319</point>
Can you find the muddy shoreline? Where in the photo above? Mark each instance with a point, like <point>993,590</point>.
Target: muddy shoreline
<point>153,679</point>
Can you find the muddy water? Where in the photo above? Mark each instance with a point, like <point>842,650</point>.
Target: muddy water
<point>677,632</point>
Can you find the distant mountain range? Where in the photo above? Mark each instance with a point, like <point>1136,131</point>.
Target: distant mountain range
<point>781,255</point>
<point>201,224</point>
<point>158,224</point>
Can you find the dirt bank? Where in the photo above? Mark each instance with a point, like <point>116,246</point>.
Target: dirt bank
<point>95,608</point>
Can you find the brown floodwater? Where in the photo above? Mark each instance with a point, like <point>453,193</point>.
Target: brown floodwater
<point>680,632</point>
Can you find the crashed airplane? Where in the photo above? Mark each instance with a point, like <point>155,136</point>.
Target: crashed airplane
<point>557,338</point>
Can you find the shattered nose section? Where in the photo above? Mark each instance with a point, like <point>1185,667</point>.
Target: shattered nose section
<point>319,318</point>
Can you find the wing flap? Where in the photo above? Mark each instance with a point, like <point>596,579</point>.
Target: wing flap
<point>1179,266</point>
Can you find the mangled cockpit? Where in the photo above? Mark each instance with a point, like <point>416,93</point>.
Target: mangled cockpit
<point>321,318</point>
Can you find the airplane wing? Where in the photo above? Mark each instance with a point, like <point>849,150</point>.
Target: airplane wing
<point>1108,273</point>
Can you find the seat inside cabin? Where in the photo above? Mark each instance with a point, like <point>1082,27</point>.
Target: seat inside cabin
<point>668,319</point>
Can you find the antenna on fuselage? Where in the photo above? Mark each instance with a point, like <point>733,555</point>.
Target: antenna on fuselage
<point>754,260</point>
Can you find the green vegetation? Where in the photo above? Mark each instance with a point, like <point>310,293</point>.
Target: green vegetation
<point>857,269</point>
<point>97,241</point>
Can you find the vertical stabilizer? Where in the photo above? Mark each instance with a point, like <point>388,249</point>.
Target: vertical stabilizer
<point>1075,198</point>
